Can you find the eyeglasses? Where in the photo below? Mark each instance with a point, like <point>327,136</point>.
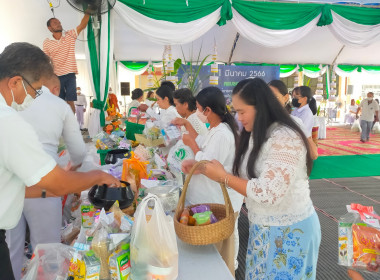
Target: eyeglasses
<point>37,91</point>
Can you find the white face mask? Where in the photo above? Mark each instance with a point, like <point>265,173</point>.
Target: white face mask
<point>25,104</point>
<point>370,98</point>
<point>201,116</point>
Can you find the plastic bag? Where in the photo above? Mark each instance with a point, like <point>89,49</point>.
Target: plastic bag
<point>376,128</point>
<point>154,252</point>
<point>100,247</point>
<point>356,126</point>
<point>359,238</point>
<point>50,262</point>
<point>177,154</point>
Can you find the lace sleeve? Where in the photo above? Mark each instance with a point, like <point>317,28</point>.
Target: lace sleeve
<point>278,164</point>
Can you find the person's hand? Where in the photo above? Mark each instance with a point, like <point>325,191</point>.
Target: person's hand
<point>84,110</point>
<point>354,275</point>
<point>143,107</point>
<point>214,170</point>
<point>188,140</point>
<point>187,165</point>
<point>180,122</point>
<point>109,180</point>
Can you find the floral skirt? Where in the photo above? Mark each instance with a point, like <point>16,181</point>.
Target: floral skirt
<point>284,252</point>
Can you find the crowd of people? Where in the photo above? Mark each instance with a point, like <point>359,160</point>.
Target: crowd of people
<point>264,155</point>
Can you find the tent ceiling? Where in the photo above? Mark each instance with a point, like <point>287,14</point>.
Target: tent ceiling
<point>319,46</point>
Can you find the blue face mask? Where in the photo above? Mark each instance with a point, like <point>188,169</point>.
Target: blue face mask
<point>28,100</point>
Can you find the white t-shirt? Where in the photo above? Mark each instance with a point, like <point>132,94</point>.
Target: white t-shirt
<point>197,124</point>
<point>218,144</point>
<point>368,110</point>
<point>306,116</point>
<point>167,116</point>
<point>353,108</point>
<point>299,122</point>
<point>81,100</point>
<point>51,117</point>
<point>23,162</point>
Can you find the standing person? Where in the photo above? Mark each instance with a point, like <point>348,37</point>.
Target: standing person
<point>61,50</point>
<point>150,99</point>
<point>218,144</point>
<point>280,90</point>
<point>137,98</point>
<point>166,104</point>
<point>271,169</point>
<point>186,106</point>
<point>301,99</point>
<point>51,118</point>
<point>23,162</point>
<point>80,107</point>
<point>370,111</point>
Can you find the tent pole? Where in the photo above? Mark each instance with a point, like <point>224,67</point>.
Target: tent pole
<point>341,49</point>
<point>233,47</point>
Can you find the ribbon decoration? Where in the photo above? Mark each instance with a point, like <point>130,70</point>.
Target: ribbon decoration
<point>364,210</point>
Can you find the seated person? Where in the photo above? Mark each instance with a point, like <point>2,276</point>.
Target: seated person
<point>351,115</point>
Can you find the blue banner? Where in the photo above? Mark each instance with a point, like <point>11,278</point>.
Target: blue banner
<point>230,76</point>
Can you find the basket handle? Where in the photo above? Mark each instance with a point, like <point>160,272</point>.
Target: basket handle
<point>181,202</point>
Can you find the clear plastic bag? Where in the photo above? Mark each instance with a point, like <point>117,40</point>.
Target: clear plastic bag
<point>154,252</point>
<point>376,128</point>
<point>50,262</point>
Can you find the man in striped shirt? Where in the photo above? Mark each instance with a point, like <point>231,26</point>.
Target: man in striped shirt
<point>61,50</point>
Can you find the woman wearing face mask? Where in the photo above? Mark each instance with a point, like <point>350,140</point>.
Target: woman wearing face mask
<point>281,92</point>
<point>186,106</point>
<point>219,144</point>
<point>165,101</point>
<point>301,98</point>
<point>271,168</point>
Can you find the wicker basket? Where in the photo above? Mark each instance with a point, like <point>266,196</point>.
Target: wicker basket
<point>208,234</point>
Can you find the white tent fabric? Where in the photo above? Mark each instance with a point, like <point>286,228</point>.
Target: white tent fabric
<point>165,32</point>
<point>353,34</point>
<point>315,74</point>
<point>268,37</point>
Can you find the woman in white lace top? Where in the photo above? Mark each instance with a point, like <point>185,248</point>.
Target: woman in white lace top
<point>271,168</point>
<point>186,106</point>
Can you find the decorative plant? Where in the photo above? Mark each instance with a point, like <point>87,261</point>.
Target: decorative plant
<point>191,70</point>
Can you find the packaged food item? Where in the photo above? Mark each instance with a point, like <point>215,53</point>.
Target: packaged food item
<point>77,269</point>
<point>203,219</point>
<point>192,221</point>
<point>200,209</point>
<point>345,239</point>
<point>185,217</point>
<point>366,246</point>
<point>87,211</point>
<point>99,245</point>
<point>92,266</point>
<point>119,263</point>
<point>171,134</point>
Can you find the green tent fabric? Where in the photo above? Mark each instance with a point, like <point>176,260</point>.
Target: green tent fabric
<point>134,66</point>
<point>180,11</point>
<point>360,15</point>
<point>346,166</point>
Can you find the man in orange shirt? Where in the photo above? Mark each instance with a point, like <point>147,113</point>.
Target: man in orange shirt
<point>61,50</point>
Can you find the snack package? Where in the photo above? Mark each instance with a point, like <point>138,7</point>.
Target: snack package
<point>77,269</point>
<point>366,247</point>
<point>200,209</point>
<point>99,245</point>
<point>171,134</point>
<point>87,212</point>
<point>185,217</point>
<point>202,219</point>
<point>92,264</point>
<point>119,263</point>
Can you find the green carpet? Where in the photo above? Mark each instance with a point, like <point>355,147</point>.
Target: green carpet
<point>346,166</point>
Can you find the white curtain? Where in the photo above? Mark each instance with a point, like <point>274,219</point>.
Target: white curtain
<point>284,75</point>
<point>353,34</point>
<point>268,37</point>
<point>165,32</point>
<point>342,73</point>
<point>314,75</point>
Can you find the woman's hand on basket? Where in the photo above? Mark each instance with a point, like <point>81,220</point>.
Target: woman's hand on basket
<point>214,170</point>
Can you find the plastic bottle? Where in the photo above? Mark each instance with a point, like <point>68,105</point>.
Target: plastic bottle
<point>185,217</point>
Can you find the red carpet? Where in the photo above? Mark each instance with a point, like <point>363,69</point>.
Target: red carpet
<point>342,141</point>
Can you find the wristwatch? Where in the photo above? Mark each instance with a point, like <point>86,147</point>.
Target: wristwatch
<point>43,193</point>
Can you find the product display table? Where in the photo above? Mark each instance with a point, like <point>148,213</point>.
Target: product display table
<point>201,263</point>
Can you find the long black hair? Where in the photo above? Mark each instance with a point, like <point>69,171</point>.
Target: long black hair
<point>268,111</point>
<point>213,98</point>
<point>165,91</point>
<point>185,95</point>
<point>313,106</point>
<point>281,87</point>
